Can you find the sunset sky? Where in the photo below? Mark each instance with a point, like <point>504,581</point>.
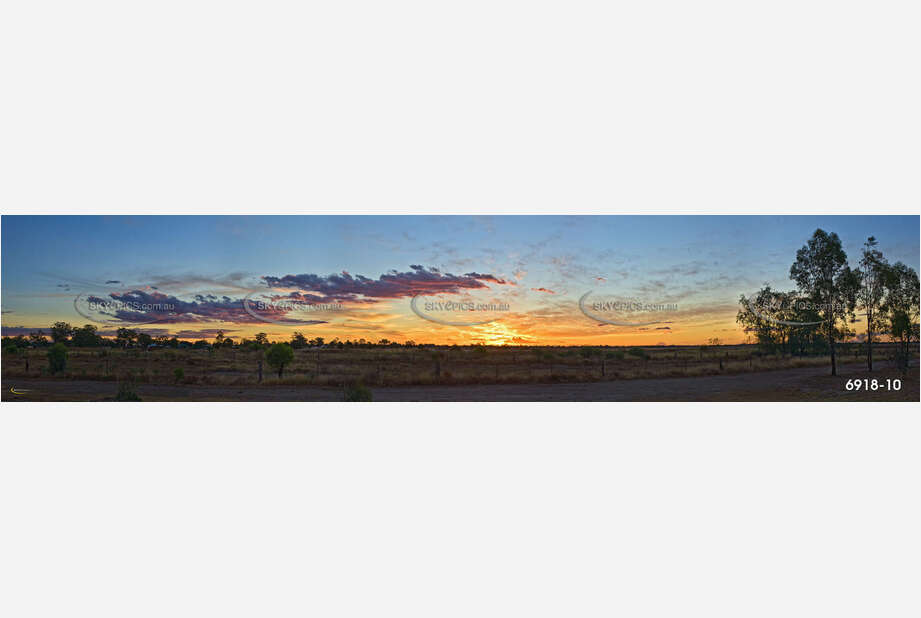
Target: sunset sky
<point>354,277</point>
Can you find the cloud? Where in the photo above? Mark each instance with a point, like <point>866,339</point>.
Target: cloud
<point>112,282</point>
<point>543,290</point>
<point>15,331</point>
<point>346,287</point>
<point>492,278</point>
<point>206,333</point>
<point>149,307</point>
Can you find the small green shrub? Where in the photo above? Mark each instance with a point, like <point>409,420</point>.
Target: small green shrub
<point>127,391</point>
<point>637,352</point>
<point>57,357</point>
<point>357,392</point>
<point>279,355</point>
<point>178,374</point>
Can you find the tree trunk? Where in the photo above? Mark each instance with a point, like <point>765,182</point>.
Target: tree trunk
<point>869,340</point>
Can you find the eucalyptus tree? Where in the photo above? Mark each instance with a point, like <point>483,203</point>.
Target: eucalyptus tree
<point>901,307</point>
<point>822,274</point>
<point>873,268</point>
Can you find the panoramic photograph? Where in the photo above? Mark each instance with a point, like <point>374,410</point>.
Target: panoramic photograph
<point>460,308</point>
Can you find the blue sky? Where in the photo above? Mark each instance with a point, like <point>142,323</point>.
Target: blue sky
<point>546,262</point>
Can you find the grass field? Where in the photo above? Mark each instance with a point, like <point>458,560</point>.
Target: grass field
<point>396,366</point>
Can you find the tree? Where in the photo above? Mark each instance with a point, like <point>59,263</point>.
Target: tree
<point>771,316</point>
<point>901,307</point>
<point>57,357</point>
<point>298,341</point>
<point>125,337</point>
<point>873,268</point>
<point>279,355</point>
<point>262,339</point>
<point>219,338</point>
<point>144,339</point>
<point>823,276</point>
<point>86,337</point>
<point>61,332</point>
<point>38,339</point>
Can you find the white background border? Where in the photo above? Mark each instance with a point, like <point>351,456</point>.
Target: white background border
<point>459,509</point>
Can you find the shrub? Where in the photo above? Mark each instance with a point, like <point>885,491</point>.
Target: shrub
<point>279,355</point>
<point>57,357</point>
<point>357,392</point>
<point>178,374</point>
<point>616,354</point>
<point>638,352</point>
<point>127,391</point>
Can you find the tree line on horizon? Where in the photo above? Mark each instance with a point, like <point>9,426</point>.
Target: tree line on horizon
<point>88,337</point>
<point>828,296</point>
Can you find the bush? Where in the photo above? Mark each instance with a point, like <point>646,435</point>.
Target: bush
<point>638,352</point>
<point>616,354</point>
<point>127,391</point>
<point>57,357</point>
<point>357,392</point>
<point>279,355</point>
<point>178,374</point>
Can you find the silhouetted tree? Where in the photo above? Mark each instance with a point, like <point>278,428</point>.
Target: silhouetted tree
<point>873,268</point>
<point>125,337</point>
<point>823,276</point>
<point>901,307</point>
<point>86,337</point>
<point>61,332</point>
<point>298,341</point>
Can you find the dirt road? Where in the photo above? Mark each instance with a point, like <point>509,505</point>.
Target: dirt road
<point>805,384</point>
